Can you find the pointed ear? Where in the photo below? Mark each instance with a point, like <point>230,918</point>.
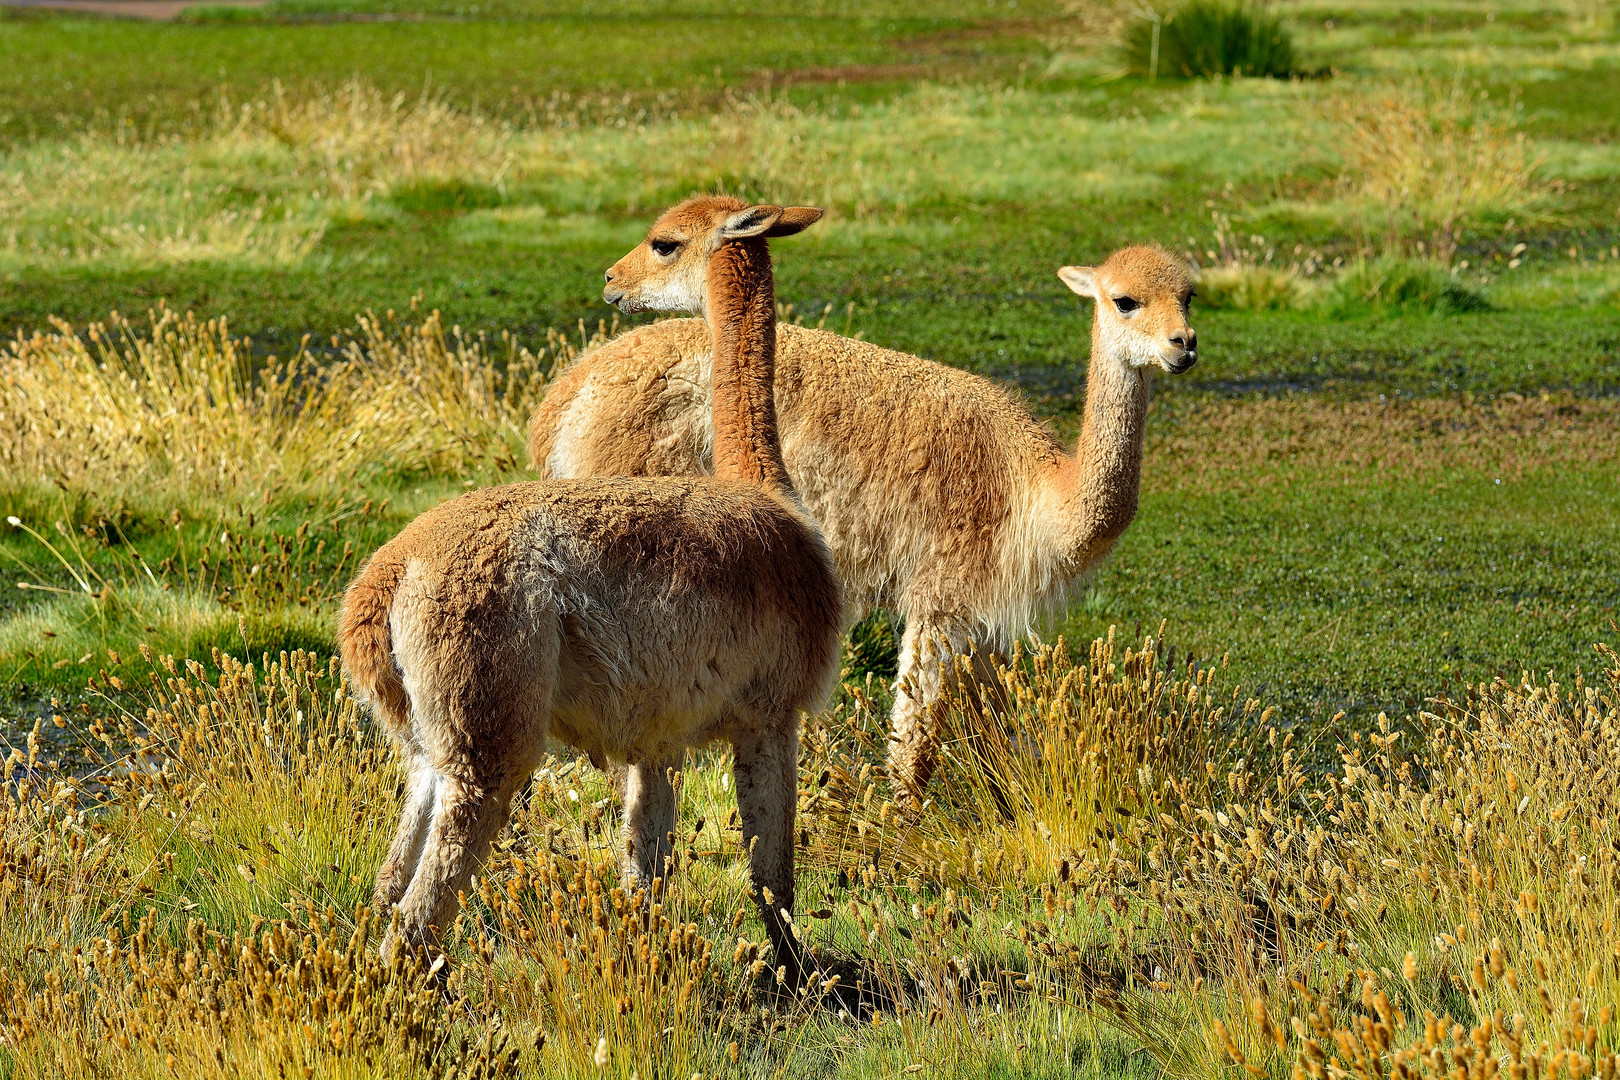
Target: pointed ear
<point>1081,280</point>
<point>795,219</point>
<point>754,221</point>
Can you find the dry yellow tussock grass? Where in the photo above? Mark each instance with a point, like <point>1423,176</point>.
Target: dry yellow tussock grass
<point>556,943</point>
<point>296,997</point>
<point>1136,842</point>
<point>187,908</point>
<point>228,765</point>
<point>1038,770</point>
<point>362,141</point>
<point>95,199</point>
<point>1069,748</point>
<point>1381,1041</point>
<point>1042,778</point>
<point>874,160</point>
<point>1228,906</point>
<point>260,181</point>
<point>1247,287</point>
<point>1467,868</point>
<point>182,401</point>
<point>1423,160</point>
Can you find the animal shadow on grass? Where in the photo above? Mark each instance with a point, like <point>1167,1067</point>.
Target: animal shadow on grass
<point>861,988</point>
<point>842,983</point>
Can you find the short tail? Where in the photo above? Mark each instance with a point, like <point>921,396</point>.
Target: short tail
<point>367,645</point>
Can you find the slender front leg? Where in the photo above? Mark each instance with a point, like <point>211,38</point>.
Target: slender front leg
<point>649,818</point>
<point>767,772</point>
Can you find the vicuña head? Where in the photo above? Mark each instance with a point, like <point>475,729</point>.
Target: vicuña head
<point>670,269</point>
<point>1142,295</point>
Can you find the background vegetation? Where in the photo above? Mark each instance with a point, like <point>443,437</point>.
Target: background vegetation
<point>366,232</point>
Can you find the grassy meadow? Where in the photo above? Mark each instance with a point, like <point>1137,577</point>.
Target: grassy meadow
<point>1325,752</point>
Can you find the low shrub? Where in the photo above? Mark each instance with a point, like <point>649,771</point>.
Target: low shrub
<point>1405,285</point>
<point>1205,38</point>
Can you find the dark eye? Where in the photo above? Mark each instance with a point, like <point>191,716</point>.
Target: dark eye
<point>664,247</point>
<point>1125,304</point>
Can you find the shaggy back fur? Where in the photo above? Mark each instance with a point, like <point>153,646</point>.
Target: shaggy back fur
<point>631,617</point>
<point>938,493</point>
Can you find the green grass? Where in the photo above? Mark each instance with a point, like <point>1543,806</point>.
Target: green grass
<point>1357,593</point>
<point>1008,315</point>
<point>166,77</point>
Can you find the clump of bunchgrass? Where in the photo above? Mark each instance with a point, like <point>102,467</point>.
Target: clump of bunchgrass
<point>655,981</point>
<point>1424,161</point>
<point>1202,38</point>
<point>1250,287</point>
<point>1471,877</point>
<point>271,790</point>
<point>282,740</point>
<point>1042,769</point>
<point>1408,286</point>
<point>292,997</point>
<point>183,403</point>
<point>364,141</point>
<point>1039,769</point>
<point>1379,1036</point>
<point>1249,273</point>
<point>191,902</point>
<point>126,448</point>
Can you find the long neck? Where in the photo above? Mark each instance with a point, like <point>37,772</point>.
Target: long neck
<point>1098,485</point>
<point>741,308</point>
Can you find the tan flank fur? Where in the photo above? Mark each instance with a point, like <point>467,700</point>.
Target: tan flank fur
<point>631,617</point>
<point>938,493</point>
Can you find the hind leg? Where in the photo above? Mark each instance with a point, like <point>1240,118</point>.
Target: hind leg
<point>467,817</point>
<point>481,733</point>
<point>767,773</point>
<point>399,867</point>
<point>649,818</point>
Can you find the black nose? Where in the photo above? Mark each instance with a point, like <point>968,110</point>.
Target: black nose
<point>608,276</point>
<point>1185,339</point>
